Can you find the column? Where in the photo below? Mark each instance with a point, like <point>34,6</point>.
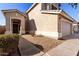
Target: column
<point>22,27</point>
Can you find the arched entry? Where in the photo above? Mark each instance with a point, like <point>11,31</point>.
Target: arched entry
<point>16,26</point>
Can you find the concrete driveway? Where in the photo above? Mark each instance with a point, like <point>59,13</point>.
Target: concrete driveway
<point>68,48</point>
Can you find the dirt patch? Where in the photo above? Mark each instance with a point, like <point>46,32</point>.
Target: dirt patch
<point>46,43</point>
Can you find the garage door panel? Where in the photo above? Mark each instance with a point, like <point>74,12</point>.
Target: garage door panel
<point>65,28</point>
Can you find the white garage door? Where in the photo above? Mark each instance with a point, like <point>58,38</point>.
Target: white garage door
<point>65,28</point>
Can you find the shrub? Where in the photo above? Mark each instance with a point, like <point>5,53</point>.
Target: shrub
<point>9,41</point>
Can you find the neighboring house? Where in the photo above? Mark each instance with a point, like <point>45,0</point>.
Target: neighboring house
<point>45,19</point>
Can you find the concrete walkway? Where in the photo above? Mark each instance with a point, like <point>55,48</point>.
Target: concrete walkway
<point>28,49</point>
<point>68,48</point>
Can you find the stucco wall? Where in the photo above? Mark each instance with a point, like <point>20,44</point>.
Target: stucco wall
<point>14,15</point>
<point>46,24</point>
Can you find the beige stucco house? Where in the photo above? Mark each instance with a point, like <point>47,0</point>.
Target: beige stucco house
<point>15,21</point>
<point>45,19</point>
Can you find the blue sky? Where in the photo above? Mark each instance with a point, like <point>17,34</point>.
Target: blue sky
<point>24,6</point>
<point>73,12</point>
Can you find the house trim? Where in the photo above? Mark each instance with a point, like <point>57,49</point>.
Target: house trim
<point>14,10</point>
<point>34,4</point>
<point>55,35</point>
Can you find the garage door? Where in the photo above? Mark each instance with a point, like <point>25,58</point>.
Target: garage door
<point>65,28</point>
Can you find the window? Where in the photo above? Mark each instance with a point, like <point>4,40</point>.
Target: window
<point>48,6</point>
<point>44,6</point>
<point>53,7</point>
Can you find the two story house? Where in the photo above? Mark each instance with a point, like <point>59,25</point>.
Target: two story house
<point>45,19</point>
<point>50,20</point>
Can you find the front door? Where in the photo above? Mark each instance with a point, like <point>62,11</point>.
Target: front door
<point>16,28</point>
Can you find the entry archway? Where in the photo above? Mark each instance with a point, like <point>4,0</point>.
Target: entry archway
<point>16,26</point>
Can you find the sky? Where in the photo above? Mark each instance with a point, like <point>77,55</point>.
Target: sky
<point>73,12</point>
<point>23,7</point>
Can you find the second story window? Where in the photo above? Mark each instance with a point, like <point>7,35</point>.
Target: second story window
<point>44,6</point>
<point>48,6</point>
<point>53,7</point>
